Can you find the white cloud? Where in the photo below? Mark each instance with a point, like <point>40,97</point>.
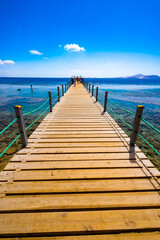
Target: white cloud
<point>6,62</point>
<point>45,58</point>
<point>74,48</point>
<point>35,52</point>
<point>59,45</point>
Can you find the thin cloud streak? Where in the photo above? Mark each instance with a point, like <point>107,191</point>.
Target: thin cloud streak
<point>35,52</point>
<point>6,62</point>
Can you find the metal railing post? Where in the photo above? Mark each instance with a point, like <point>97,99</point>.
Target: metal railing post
<point>58,94</point>
<point>96,94</point>
<point>92,90</point>
<point>20,120</point>
<point>62,90</point>
<point>50,100</point>
<point>65,87</point>
<point>136,124</point>
<point>105,101</point>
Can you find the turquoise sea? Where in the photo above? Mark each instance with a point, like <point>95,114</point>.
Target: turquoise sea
<point>125,92</point>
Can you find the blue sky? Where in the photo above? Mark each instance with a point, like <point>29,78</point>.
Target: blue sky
<point>58,38</point>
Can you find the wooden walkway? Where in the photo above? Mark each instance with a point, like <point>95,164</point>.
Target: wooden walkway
<point>78,179</point>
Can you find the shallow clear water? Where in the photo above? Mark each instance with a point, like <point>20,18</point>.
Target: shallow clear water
<point>125,92</point>
<point>129,93</point>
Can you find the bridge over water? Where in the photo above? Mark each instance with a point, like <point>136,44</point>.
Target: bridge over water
<point>79,178</point>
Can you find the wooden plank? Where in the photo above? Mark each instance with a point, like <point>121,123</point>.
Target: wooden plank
<point>75,157</point>
<point>75,140</point>
<point>5,175</point>
<point>75,124</point>
<point>83,174</point>
<point>80,222</point>
<point>82,120</point>
<point>77,117</point>
<point>71,145</point>
<point>78,186</point>
<point>77,132</point>
<point>81,201</point>
<point>75,150</point>
<point>70,129</point>
<point>76,164</point>
<point>88,135</point>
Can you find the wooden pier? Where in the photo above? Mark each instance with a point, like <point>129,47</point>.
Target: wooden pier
<point>78,179</point>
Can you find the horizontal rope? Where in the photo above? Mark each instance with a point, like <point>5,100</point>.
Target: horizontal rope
<point>8,126</point>
<point>101,101</point>
<point>54,95</point>
<point>37,118</point>
<point>55,100</point>
<point>138,133</point>
<point>119,117</point>
<point>148,143</point>
<point>120,107</point>
<point>9,145</point>
<point>150,125</point>
<point>25,114</point>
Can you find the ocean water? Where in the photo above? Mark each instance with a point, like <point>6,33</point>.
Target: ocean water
<point>130,92</point>
<point>127,92</point>
<point>27,98</point>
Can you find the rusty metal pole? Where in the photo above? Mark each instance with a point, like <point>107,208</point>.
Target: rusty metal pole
<point>105,101</point>
<point>92,90</point>
<point>50,100</point>
<point>136,124</point>
<point>21,125</point>
<point>96,94</point>
<point>58,94</point>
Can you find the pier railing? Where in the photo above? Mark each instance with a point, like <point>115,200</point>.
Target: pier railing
<point>107,104</point>
<point>50,101</point>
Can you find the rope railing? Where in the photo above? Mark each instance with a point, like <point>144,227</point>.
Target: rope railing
<point>120,107</point>
<point>38,118</point>
<point>2,153</point>
<point>10,124</point>
<point>132,128</point>
<point>148,143</point>
<point>25,114</point>
<point>150,125</point>
<point>54,95</point>
<point>120,118</point>
<point>136,120</point>
<point>20,119</point>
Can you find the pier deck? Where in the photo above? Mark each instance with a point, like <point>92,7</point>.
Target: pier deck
<point>78,179</point>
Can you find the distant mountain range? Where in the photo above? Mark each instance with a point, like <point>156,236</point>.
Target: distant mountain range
<point>141,76</point>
